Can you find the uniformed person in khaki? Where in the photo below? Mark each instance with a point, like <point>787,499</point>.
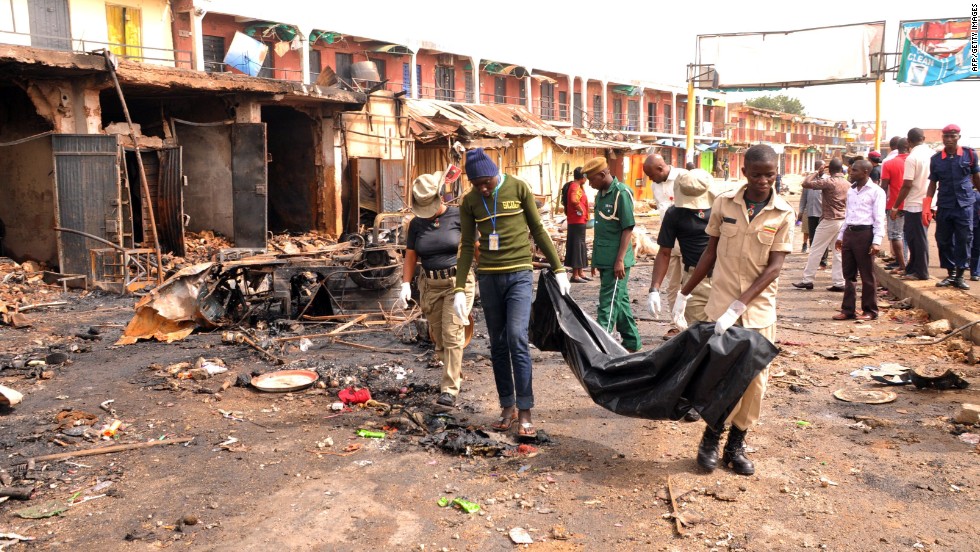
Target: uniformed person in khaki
<point>751,232</point>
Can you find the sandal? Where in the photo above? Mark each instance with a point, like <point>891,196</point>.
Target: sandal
<point>526,431</point>
<point>504,424</point>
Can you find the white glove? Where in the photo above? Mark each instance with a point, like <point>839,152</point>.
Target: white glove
<point>654,300</point>
<point>680,305</point>
<point>564,286</point>
<point>459,305</point>
<point>404,295</point>
<point>726,320</point>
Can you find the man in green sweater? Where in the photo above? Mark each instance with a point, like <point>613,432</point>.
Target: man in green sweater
<point>502,208</point>
<point>612,251</point>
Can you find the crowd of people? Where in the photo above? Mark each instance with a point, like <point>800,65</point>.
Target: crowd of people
<point>721,253</point>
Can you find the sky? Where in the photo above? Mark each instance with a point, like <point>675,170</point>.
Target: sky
<point>654,41</point>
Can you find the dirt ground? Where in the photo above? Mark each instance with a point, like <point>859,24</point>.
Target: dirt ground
<point>830,474</point>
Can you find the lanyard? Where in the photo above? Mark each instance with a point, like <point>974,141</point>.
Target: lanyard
<point>493,217</point>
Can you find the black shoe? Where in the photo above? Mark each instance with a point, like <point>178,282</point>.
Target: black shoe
<point>692,416</point>
<point>958,282</point>
<point>708,449</point>
<point>947,281</point>
<point>734,455</point>
<point>803,250</point>
<point>446,399</point>
<point>974,278</point>
<point>891,266</point>
<point>803,285</point>
<point>836,288</point>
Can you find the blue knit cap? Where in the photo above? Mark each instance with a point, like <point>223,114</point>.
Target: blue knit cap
<point>479,165</point>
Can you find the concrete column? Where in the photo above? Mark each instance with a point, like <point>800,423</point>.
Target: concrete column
<point>571,100</point>
<point>642,123</point>
<point>673,113</point>
<point>413,77</point>
<point>247,110</point>
<point>605,102</point>
<point>475,62</point>
<point>304,37</point>
<point>528,85</point>
<point>197,20</point>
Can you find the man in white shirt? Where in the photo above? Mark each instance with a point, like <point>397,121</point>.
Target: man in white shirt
<point>662,177</point>
<point>913,192</point>
<point>859,241</point>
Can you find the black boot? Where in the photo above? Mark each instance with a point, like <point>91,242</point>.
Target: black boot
<point>958,282</point>
<point>734,456</point>
<point>948,280</point>
<point>708,449</point>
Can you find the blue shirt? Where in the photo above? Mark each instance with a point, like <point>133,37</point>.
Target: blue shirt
<point>953,175</point>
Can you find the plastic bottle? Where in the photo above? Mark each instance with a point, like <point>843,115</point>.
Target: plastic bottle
<point>371,434</point>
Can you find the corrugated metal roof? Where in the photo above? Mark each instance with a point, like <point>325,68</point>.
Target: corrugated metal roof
<point>442,117</point>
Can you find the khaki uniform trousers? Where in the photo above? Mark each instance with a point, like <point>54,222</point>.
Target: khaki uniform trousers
<point>694,311</point>
<point>749,407</point>
<point>672,281</point>
<point>436,299</point>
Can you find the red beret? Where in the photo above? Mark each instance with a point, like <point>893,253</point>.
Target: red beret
<point>951,129</point>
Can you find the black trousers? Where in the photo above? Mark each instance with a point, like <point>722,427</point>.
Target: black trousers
<point>917,240</point>
<point>856,259</point>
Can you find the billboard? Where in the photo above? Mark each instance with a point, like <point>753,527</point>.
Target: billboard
<point>782,59</point>
<point>936,51</point>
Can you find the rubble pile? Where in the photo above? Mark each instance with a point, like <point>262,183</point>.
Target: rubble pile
<point>23,287</point>
<point>289,244</point>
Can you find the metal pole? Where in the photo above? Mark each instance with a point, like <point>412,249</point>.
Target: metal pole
<point>110,63</point>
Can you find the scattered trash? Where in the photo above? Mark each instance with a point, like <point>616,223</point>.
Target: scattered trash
<point>305,344</point>
<point>866,396</point>
<point>9,397</point>
<point>44,510</point>
<point>970,438</point>
<point>110,429</point>
<point>371,434</point>
<point>519,535</point>
<point>803,423</point>
<point>71,418</point>
<point>15,537</point>
<point>948,380</point>
<point>824,482</point>
<point>827,354</point>
<point>468,442</point>
<point>354,396</point>
<point>968,414</point>
<point>285,381</point>
<point>460,504</point>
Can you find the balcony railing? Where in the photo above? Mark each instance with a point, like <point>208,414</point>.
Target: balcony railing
<point>779,137</point>
<point>146,54</point>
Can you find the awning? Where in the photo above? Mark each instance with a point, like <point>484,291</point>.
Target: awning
<point>665,142</point>
<point>627,89</point>
<point>595,143</point>
<point>544,78</point>
<point>494,67</point>
<point>701,147</point>
<point>713,146</point>
<point>393,49</point>
<point>327,37</point>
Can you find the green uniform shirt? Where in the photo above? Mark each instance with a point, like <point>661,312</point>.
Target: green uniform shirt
<point>516,213</point>
<point>613,214</point>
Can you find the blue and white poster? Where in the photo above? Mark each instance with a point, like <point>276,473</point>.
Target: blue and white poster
<point>937,52</point>
<point>246,54</point>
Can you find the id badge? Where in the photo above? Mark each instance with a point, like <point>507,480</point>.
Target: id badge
<point>494,241</point>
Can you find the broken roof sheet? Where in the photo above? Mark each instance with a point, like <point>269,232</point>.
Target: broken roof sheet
<point>434,118</point>
<point>571,142</point>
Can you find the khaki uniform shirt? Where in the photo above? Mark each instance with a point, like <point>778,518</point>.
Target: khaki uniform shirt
<point>743,253</point>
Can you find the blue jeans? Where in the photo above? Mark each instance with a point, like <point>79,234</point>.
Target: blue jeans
<point>506,302</point>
